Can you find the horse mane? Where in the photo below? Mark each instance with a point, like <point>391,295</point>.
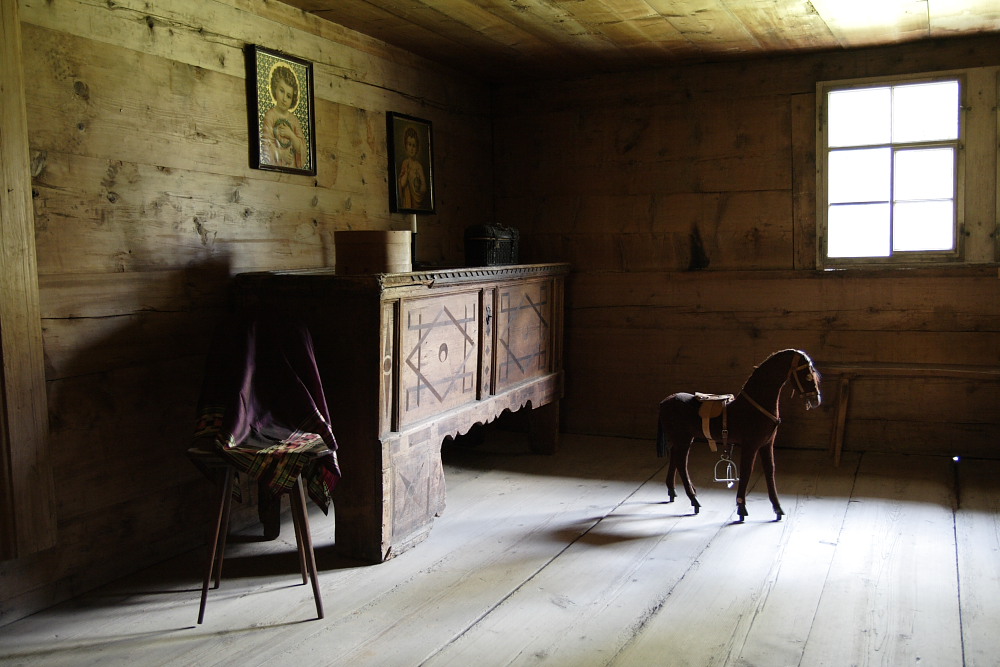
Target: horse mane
<point>790,350</point>
<point>804,354</point>
<point>808,359</point>
<point>780,353</point>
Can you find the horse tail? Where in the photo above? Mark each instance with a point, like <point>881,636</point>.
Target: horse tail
<point>661,438</point>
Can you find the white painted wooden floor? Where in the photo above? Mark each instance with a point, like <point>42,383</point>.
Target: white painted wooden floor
<point>575,560</point>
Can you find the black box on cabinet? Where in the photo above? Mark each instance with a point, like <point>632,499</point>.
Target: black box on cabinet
<point>491,245</point>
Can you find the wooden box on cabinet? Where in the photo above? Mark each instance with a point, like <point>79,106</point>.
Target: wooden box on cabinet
<point>410,358</point>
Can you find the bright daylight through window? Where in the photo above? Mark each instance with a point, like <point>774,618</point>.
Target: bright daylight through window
<point>891,171</point>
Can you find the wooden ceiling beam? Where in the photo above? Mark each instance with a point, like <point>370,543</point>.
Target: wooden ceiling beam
<point>708,26</point>
<point>783,25</point>
<point>507,39</point>
<point>948,17</point>
<point>858,23</point>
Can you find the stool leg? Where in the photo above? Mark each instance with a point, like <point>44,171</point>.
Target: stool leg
<point>305,544</point>
<point>217,538</point>
<point>299,541</point>
<point>224,533</point>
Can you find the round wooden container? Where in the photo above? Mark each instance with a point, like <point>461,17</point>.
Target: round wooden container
<point>372,251</point>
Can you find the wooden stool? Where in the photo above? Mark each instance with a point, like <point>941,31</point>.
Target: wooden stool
<point>218,468</point>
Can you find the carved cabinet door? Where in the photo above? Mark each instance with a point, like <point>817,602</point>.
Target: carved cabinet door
<point>524,333</point>
<point>439,354</point>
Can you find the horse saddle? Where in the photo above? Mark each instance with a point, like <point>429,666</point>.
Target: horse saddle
<point>711,407</point>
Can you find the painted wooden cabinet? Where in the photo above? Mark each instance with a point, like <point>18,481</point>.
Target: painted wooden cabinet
<point>408,359</point>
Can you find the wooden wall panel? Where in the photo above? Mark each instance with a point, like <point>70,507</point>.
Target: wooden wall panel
<point>27,498</point>
<point>803,118</point>
<point>733,230</point>
<point>145,205</point>
<point>651,334</point>
<point>685,202</point>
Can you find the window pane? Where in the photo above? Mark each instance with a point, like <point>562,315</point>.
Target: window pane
<point>858,230</point>
<point>859,117</point>
<point>861,175</point>
<point>925,225</point>
<point>925,112</point>
<point>925,174</point>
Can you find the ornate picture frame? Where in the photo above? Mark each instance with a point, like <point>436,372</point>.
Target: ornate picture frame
<point>280,109</point>
<point>411,164</point>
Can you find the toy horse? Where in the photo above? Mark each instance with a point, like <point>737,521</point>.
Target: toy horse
<point>750,420</point>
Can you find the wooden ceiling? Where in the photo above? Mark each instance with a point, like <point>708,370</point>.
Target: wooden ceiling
<point>505,39</point>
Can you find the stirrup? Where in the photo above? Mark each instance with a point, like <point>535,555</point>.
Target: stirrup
<point>728,475</point>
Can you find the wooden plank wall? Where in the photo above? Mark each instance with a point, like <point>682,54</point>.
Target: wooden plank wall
<point>685,201</point>
<point>27,498</point>
<point>145,205</point>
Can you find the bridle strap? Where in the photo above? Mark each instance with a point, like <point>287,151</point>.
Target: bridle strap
<point>757,405</point>
<point>794,373</point>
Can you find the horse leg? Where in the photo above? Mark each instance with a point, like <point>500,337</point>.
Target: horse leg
<point>671,470</point>
<point>678,413</point>
<point>682,454</point>
<point>747,458</point>
<point>663,448</point>
<point>767,460</point>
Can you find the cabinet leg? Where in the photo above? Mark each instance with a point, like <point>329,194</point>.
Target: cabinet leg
<point>543,428</point>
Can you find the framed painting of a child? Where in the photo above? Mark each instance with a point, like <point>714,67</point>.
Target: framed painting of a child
<point>280,106</point>
<point>411,168</point>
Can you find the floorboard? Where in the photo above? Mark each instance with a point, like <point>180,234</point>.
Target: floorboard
<point>576,559</point>
<point>891,594</point>
<point>586,603</point>
<point>755,581</point>
<point>977,532</point>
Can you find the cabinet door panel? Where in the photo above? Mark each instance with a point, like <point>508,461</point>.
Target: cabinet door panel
<point>524,325</point>
<point>439,354</point>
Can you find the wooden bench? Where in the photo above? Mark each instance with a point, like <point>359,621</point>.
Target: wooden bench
<point>881,370</point>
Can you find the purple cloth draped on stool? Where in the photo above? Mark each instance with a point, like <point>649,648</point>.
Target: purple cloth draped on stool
<point>262,403</point>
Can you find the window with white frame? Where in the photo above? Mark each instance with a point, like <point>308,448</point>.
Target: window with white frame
<point>891,155</point>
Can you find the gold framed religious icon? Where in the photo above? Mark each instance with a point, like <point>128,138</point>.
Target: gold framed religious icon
<point>411,164</point>
<point>280,106</point>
